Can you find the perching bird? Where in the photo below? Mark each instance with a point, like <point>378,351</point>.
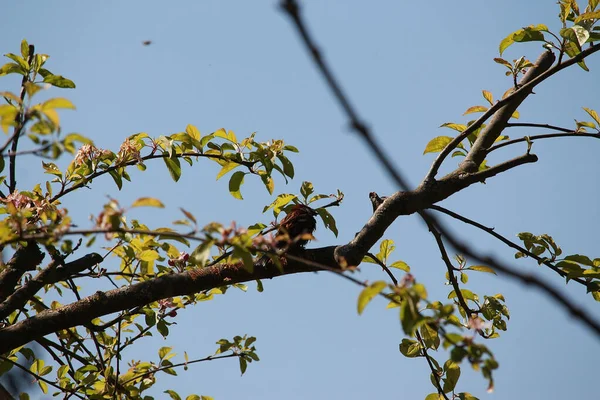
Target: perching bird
<point>376,200</point>
<point>299,221</point>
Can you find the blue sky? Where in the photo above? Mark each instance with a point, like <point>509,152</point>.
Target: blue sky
<point>240,65</point>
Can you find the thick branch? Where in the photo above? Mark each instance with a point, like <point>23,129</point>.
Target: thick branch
<point>490,133</point>
<point>492,110</point>
<point>26,258</point>
<point>189,282</point>
<point>49,275</point>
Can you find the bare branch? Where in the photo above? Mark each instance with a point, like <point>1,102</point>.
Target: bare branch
<point>292,9</point>
<point>571,134</point>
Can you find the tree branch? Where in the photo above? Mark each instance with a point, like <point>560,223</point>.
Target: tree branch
<point>509,243</point>
<point>533,138</point>
<point>20,120</point>
<point>26,258</point>
<point>292,9</point>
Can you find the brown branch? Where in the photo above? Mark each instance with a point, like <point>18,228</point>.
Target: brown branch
<point>139,294</point>
<point>450,268</point>
<point>20,124</point>
<point>26,258</point>
<point>402,202</point>
<point>248,164</point>
<point>526,88</point>
<point>503,167</point>
<point>49,275</point>
<point>384,267</point>
<point>434,371</point>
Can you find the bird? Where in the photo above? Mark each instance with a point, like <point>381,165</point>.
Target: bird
<point>376,200</point>
<point>299,221</point>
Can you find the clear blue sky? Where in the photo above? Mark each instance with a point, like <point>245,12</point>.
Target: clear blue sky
<point>408,67</point>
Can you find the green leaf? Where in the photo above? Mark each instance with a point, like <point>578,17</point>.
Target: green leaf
<point>452,374</point>
<point>475,109</point>
<point>368,294</point>
<point>281,201</point>
<point>24,48</point>
<point>51,169</point>
<point>11,68</point>
<point>269,183</point>
<point>244,255</point>
<point>386,247</point>
<point>400,265</point>
<point>19,60</point>
<point>288,167</point>
<point>193,132</point>
<point>173,394</point>
<point>163,351</point>
<point>117,178</point>
<point>410,348</point>
<point>147,202</point>
<point>201,253</point>
<point>328,220</point>
<point>306,189</point>
<point>59,81</point>
<point>235,182</point>
<point>482,268</point>
<point>243,364</point>
<point>452,125</point>
<point>527,34</point>
<point>593,114</point>
<point>430,336</point>
<point>229,165</point>
<point>437,144</point>
<point>409,315</point>
<point>174,167</point>
<point>58,102</point>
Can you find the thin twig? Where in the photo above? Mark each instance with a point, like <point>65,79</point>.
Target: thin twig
<point>534,125</point>
<point>571,134</point>
<point>450,268</point>
<point>248,164</point>
<point>509,243</point>
<point>38,377</point>
<point>384,267</point>
<point>293,10</point>
<point>209,358</point>
<point>20,124</point>
<point>434,371</point>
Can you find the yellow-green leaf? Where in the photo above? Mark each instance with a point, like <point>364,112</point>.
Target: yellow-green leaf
<point>193,131</point>
<point>148,202</point>
<point>369,293</point>
<point>58,102</point>
<point>400,265</point>
<point>437,144</point>
<point>488,96</point>
<point>593,114</point>
<point>452,125</point>
<point>229,165</point>
<point>235,182</point>
<point>482,268</point>
<point>475,109</point>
